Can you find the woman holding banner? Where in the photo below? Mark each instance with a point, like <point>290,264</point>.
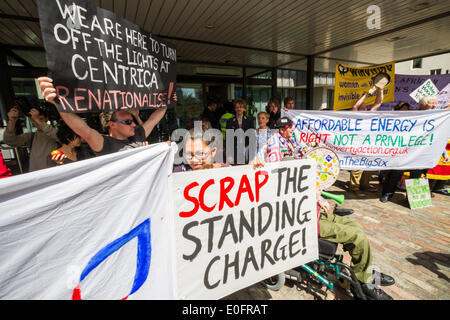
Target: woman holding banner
<point>360,180</point>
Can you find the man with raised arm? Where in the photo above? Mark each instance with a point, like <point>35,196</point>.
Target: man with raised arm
<point>359,179</point>
<point>123,133</point>
<point>41,143</point>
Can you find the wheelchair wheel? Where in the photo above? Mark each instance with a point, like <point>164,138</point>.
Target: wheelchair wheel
<point>275,283</point>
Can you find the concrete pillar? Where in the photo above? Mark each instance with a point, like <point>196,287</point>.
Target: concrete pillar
<point>310,83</point>
<point>6,89</point>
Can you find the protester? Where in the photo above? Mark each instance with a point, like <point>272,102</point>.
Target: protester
<point>206,124</point>
<point>213,114</point>
<point>5,172</point>
<point>263,132</point>
<point>69,150</point>
<point>228,114</point>
<point>274,111</point>
<point>334,228</point>
<point>392,177</point>
<point>338,229</point>
<point>289,103</point>
<point>359,179</point>
<point>123,132</point>
<point>199,153</point>
<point>428,103</point>
<point>41,143</point>
<point>240,121</point>
<point>282,143</point>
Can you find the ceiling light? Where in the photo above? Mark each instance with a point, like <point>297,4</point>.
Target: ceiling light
<point>423,4</point>
<point>395,38</point>
<point>209,27</point>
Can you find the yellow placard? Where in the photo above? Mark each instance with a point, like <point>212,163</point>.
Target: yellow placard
<point>351,83</point>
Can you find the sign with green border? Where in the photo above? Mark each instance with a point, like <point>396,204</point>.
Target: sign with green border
<point>418,192</point>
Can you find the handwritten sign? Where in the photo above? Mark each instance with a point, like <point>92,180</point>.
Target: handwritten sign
<point>101,62</point>
<point>426,89</point>
<point>376,140</point>
<point>418,191</point>
<point>406,84</point>
<point>352,82</point>
<point>444,97</point>
<point>238,226</point>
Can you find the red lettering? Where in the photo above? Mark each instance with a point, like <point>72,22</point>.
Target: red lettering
<point>129,105</point>
<point>244,186</point>
<point>137,100</point>
<point>258,184</point>
<point>224,191</point>
<point>188,214</point>
<point>107,99</point>
<point>62,98</point>
<point>115,93</point>
<point>201,196</point>
<point>97,99</point>
<point>145,101</point>
<point>77,98</point>
<point>302,137</point>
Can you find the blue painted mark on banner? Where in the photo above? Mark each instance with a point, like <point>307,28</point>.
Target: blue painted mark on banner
<point>144,250</point>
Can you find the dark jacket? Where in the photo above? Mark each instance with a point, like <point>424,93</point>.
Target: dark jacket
<point>247,123</point>
<point>273,118</point>
<point>213,117</point>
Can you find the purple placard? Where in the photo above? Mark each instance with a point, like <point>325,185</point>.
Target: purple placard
<point>406,84</point>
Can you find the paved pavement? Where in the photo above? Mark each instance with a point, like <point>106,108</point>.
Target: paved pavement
<point>413,246</point>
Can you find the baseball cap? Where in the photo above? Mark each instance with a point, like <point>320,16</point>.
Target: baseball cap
<point>283,122</point>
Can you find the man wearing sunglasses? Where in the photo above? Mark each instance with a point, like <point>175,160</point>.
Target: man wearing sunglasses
<point>123,133</point>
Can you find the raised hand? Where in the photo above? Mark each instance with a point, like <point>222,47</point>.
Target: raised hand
<point>47,89</point>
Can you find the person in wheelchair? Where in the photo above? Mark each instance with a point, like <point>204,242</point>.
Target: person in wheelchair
<point>332,227</point>
<point>342,230</point>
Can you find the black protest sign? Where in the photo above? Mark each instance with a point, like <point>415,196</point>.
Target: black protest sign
<point>101,62</point>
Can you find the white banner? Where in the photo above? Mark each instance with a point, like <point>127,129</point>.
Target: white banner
<point>94,229</point>
<point>237,226</point>
<point>376,140</point>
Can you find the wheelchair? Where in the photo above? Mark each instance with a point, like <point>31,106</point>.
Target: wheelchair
<point>329,270</point>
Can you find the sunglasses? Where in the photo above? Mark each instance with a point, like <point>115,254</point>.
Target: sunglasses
<point>126,122</point>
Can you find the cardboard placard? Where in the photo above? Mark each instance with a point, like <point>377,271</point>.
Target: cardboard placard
<point>101,62</point>
<point>418,191</point>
